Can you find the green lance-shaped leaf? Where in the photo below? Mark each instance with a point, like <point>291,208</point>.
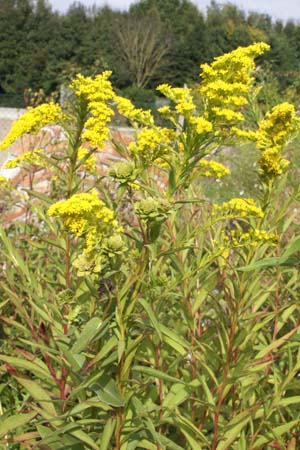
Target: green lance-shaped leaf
<point>9,424</point>
<point>106,390</point>
<point>234,428</point>
<point>90,329</point>
<point>275,433</point>
<point>36,367</point>
<point>283,260</point>
<point>175,341</point>
<point>156,374</point>
<point>151,316</point>
<point>107,433</point>
<point>194,437</point>
<point>39,394</point>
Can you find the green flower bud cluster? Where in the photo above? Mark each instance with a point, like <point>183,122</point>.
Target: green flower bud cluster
<point>152,208</point>
<point>123,172</point>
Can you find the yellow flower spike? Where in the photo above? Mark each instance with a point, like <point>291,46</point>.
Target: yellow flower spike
<point>97,92</point>
<point>227,81</point>
<point>210,168</point>
<point>202,125</point>
<point>182,97</point>
<point>271,163</point>
<point>31,158</point>
<point>135,115</point>
<point>152,143</point>
<point>89,163</point>
<point>239,207</point>
<point>276,126</point>
<point>33,120</point>
<point>5,183</point>
<point>85,214</point>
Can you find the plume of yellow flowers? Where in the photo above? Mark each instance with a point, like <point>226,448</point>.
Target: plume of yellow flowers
<point>209,168</point>
<point>239,207</point>
<point>152,143</point>
<point>273,132</point>
<point>184,108</point>
<point>30,158</point>
<point>278,124</point>
<point>227,81</point>
<point>33,120</point>
<point>5,183</point>
<point>135,115</point>
<point>84,214</point>
<point>97,93</point>
<point>87,161</point>
<point>182,97</point>
<point>239,238</point>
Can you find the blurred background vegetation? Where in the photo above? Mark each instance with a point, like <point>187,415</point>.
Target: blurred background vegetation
<point>155,41</point>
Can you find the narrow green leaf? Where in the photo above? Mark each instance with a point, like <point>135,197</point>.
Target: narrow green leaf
<point>175,341</point>
<point>106,390</point>
<point>9,424</point>
<point>38,393</point>
<point>276,344</point>
<point>156,374</point>
<point>33,367</point>
<point>107,433</point>
<point>233,432</point>
<point>89,331</point>
<point>151,316</point>
<point>275,433</point>
<point>84,437</point>
<point>177,394</point>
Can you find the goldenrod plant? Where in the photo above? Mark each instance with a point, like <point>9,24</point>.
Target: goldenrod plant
<point>136,312</point>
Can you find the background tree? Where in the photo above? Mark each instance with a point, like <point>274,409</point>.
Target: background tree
<point>143,45</point>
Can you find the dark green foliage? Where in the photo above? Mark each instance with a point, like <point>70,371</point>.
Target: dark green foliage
<point>40,48</point>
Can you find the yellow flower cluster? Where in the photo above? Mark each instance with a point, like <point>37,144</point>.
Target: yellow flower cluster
<point>85,214</point>
<point>238,237</point>
<point>210,168</point>
<point>97,92</point>
<point>276,126</point>
<point>182,98</point>
<point>165,111</point>
<point>31,158</point>
<point>88,162</point>
<point>32,121</point>
<point>249,135</point>
<point>271,163</point>
<point>227,81</point>
<point>239,207</point>
<point>201,125</point>
<point>5,183</point>
<point>228,115</point>
<point>272,134</point>
<point>152,143</point>
<point>135,115</point>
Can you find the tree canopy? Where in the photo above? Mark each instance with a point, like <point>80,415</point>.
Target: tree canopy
<point>155,40</point>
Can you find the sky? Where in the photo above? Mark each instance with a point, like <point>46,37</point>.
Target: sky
<point>278,9</point>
